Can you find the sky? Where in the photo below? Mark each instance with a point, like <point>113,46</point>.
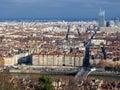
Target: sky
<point>62,9</point>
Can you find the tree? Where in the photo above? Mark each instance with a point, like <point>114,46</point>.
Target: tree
<point>8,82</point>
<point>45,83</point>
<point>102,64</point>
<point>1,60</point>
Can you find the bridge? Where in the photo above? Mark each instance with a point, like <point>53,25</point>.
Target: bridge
<point>84,72</point>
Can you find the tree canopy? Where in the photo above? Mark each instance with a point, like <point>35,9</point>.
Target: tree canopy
<point>45,83</point>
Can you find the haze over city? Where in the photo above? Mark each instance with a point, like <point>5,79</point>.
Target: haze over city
<point>58,9</point>
<point>59,45</point>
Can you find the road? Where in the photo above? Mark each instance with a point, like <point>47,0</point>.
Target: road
<point>83,73</point>
<point>85,70</point>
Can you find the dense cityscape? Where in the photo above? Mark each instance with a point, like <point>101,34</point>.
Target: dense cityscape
<point>60,55</point>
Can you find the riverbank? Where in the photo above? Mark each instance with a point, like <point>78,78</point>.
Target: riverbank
<point>105,75</point>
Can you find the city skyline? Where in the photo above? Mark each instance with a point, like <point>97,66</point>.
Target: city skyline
<point>58,9</point>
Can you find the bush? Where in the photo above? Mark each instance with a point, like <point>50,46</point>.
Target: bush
<point>45,83</point>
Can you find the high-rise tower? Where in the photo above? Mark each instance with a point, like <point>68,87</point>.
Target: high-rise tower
<point>101,18</point>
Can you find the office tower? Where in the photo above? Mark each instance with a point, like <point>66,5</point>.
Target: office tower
<point>101,18</point>
<point>107,24</point>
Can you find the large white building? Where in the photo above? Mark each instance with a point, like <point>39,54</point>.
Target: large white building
<point>57,60</point>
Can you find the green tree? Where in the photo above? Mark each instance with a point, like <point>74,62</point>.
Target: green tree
<point>45,83</point>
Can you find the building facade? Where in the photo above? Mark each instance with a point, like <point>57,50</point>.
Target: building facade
<point>57,60</point>
<point>101,19</point>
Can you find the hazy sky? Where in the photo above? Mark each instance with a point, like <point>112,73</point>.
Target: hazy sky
<point>58,8</point>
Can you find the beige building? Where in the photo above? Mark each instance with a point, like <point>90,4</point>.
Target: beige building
<point>109,29</point>
<point>98,41</point>
<point>9,60</point>
<point>13,59</point>
<point>57,60</point>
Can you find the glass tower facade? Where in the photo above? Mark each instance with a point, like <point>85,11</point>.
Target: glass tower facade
<point>101,18</point>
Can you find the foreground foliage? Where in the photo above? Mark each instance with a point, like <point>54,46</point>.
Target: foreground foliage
<point>45,83</point>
